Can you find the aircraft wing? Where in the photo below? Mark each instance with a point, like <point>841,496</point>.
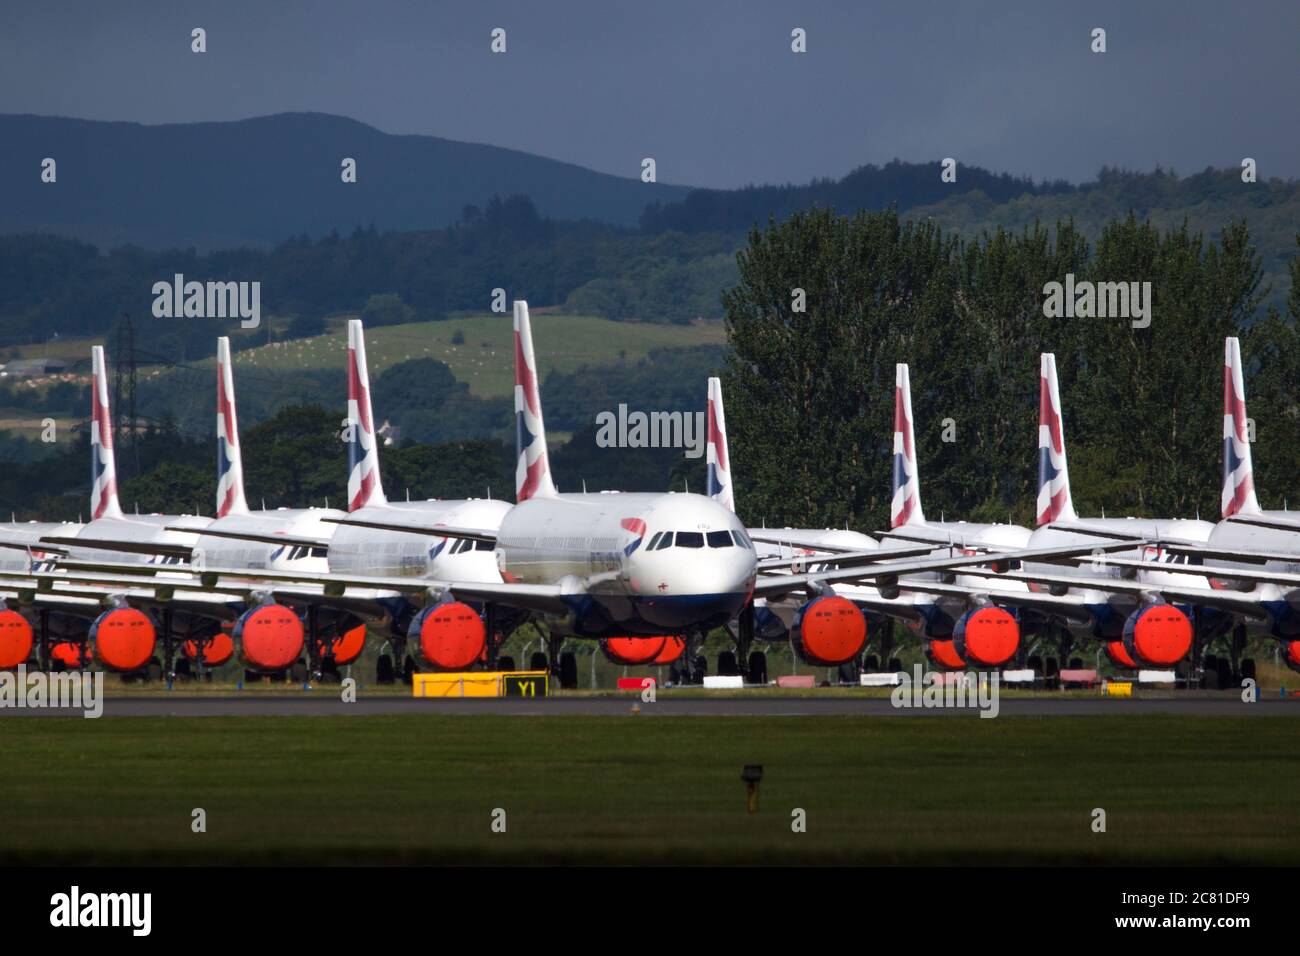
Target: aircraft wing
<point>1275,522</point>
<point>129,547</point>
<point>1232,601</point>
<point>889,573</point>
<point>549,598</point>
<point>31,546</point>
<point>1231,554</point>
<point>428,530</point>
<point>286,539</point>
<point>796,538</point>
<point>841,559</point>
<point>1071,606</point>
<point>1262,576</point>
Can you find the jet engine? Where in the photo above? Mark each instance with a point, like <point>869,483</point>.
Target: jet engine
<point>123,638</point>
<point>1159,635</point>
<point>15,639</point>
<point>1291,654</point>
<point>986,637</point>
<point>1119,655</point>
<point>828,631</point>
<point>451,635</point>
<point>632,651</point>
<point>943,654</point>
<point>271,637</point>
<point>674,648</point>
<point>216,651</point>
<point>346,647</point>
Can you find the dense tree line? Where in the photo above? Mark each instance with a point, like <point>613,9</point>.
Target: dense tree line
<point>52,285</point>
<point>898,184</point>
<point>810,394</point>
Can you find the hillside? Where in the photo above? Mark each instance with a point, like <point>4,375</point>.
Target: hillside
<point>260,181</point>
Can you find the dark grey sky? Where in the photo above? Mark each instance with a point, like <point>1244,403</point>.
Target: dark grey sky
<point>708,88</point>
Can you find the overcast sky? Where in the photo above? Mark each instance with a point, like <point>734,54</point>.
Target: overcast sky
<point>709,88</point>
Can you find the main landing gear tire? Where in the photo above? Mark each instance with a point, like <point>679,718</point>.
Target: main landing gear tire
<point>384,671</point>
<point>758,668</point>
<point>568,671</point>
<point>727,664</point>
<point>505,663</point>
<point>537,661</point>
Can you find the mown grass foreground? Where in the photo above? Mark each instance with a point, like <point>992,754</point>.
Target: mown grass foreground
<point>641,790</point>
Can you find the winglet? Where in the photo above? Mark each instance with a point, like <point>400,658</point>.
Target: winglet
<point>1054,502</point>
<point>905,483</point>
<point>717,459</point>
<point>1238,472</point>
<point>230,463</point>
<point>532,467</point>
<point>364,485</point>
<point>103,477</point>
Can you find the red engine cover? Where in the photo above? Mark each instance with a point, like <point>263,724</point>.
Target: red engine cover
<point>1159,635</point>
<point>218,650</point>
<point>1291,654</point>
<point>69,654</point>
<point>123,638</point>
<point>986,637</point>
<point>271,636</point>
<point>943,654</point>
<point>829,631</point>
<point>1119,655</point>
<point>674,647</point>
<point>347,647</point>
<point>451,635</point>
<point>15,639</point>
<point>633,651</point>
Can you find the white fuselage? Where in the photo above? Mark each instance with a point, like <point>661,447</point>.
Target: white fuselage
<point>638,563</point>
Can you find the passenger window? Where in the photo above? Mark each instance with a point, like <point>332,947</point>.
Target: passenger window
<point>690,539</point>
<point>720,539</point>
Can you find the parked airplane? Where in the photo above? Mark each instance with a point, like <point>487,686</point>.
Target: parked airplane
<point>1138,626</point>
<point>993,633</point>
<point>1251,560</point>
<point>614,565</point>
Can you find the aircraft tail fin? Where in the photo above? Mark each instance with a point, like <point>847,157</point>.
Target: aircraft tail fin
<point>230,463</point>
<point>364,485</point>
<point>905,484</point>
<point>717,457</point>
<point>103,479</point>
<point>1054,501</point>
<point>532,467</point>
<point>1238,472</point>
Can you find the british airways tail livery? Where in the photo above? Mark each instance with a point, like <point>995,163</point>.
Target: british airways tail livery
<point>364,485</point>
<point>905,501</point>
<point>1238,473</point>
<point>1054,503</point>
<point>230,464</point>
<point>533,467</point>
<point>719,466</point>
<point>103,480</point>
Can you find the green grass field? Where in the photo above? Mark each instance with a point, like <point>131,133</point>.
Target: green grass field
<point>485,361</point>
<point>422,789</point>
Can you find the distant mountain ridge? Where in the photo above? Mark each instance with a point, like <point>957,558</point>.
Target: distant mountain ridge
<point>259,181</point>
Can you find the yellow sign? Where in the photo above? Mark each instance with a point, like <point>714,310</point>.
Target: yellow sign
<point>1118,688</point>
<point>481,684</point>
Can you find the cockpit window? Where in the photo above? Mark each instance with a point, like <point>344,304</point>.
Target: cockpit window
<point>484,546</point>
<point>742,539</point>
<point>665,542</point>
<point>654,542</point>
<point>690,539</point>
<point>720,539</point>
